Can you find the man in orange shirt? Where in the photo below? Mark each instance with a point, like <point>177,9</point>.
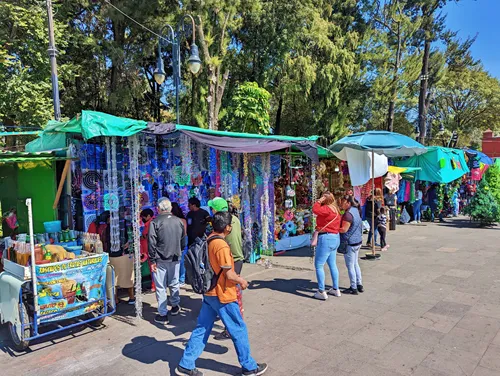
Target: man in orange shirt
<point>221,301</point>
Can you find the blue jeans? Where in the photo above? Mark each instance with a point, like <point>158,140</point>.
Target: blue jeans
<point>351,261</point>
<point>417,212</point>
<point>232,320</point>
<point>433,205</point>
<point>167,276</point>
<point>182,269</point>
<point>326,252</point>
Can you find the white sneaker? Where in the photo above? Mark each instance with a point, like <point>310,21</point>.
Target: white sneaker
<point>320,295</point>
<point>334,292</point>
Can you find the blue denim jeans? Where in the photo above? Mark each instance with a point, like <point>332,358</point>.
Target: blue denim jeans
<point>417,210</point>
<point>232,320</point>
<point>326,252</point>
<point>182,269</point>
<point>375,233</point>
<point>167,276</point>
<point>351,261</point>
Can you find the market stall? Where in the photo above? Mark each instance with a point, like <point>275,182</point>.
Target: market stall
<point>48,278</point>
<point>123,166</point>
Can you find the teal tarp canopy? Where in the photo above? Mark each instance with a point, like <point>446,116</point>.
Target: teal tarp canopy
<point>94,124</point>
<point>438,165</point>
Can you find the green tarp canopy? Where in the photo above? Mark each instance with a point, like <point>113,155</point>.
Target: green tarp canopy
<point>438,165</point>
<point>92,124</point>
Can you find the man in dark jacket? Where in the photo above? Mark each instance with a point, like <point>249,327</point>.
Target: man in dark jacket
<point>166,241</point>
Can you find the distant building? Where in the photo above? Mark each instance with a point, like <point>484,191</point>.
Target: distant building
<point>491,144</point>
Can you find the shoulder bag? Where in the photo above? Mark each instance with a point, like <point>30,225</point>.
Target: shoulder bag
<point>315,235</point>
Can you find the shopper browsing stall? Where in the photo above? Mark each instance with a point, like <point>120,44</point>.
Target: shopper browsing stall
<point>381,222</point>
<point>147,216</point>
<point>351,234</point>
<point>177,211</point>
<point>196,220</point>
<point>327,226</point>
<point>166,242</point>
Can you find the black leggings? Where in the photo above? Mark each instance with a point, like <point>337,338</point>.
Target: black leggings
<point>382,231</point>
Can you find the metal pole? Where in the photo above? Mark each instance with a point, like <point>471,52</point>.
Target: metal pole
<point>373,203</point>
<point>32,246</point>
<point>177,73</point>
<point>53,63</point>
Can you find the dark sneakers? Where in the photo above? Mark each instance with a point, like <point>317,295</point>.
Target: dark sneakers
<point>174,311</point>
<point>350,291</point>
<point>181,371</point>
<point>261,369</point>
<point>222,336</point>
<point>361,288</point>
<point>161,319</point>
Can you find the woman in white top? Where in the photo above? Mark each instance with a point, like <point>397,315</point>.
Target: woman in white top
<point>417,212</point>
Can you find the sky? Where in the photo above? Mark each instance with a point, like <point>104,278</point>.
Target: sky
<point>471,17</point>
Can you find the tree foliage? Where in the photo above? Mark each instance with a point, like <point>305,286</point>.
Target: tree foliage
<point>329,66</point>
<point>249,110</point>
<point>483,206</point>
<point>492,177</point>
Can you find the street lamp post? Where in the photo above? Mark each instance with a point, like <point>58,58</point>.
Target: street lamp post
<point>194,62</point>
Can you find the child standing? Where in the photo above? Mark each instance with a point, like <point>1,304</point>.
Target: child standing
<point>382,229</point>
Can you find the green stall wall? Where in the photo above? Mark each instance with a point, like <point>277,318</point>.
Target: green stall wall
<point>35,180</point>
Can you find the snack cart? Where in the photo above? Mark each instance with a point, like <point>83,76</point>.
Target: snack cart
<point>66,293</point>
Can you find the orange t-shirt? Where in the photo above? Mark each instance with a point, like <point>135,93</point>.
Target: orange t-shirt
<point>220,257</point>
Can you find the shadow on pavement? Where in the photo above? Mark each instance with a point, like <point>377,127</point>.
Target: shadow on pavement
<point>465,223</point>
<point>167,351</point>
<point>300,287</point>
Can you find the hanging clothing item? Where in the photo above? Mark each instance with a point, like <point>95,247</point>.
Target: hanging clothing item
<point>357,195</point>
<point>392,181</point>
<point>412,192</point>
<point>360,163</point>
<point>402,190</point>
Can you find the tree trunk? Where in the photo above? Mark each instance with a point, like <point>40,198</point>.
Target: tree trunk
<point>422,108</point>
<point>279,112</point>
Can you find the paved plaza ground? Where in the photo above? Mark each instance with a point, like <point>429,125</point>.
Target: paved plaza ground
<point>431,308</point>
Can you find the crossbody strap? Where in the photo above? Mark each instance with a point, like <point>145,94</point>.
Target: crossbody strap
<point>328,224</point>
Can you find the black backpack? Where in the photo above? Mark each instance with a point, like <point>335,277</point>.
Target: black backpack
<point>199,272</point>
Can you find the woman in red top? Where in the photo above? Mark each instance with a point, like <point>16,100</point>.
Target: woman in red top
<point>328,220</point>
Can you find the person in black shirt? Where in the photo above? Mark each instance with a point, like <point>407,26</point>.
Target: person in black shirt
<point>196,220</point>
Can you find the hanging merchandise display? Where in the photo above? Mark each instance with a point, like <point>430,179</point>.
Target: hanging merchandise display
<point>133,148</point>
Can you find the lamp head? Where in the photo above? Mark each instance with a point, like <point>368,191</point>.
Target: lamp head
<point>159,73</point>
<point>194,61</point>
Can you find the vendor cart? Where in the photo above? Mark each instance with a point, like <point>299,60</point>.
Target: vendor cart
<point>38,296</point>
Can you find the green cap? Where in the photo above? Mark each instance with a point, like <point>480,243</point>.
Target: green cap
<point>218,204</point>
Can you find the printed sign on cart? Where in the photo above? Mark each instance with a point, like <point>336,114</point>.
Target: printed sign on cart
<point>71,288</point>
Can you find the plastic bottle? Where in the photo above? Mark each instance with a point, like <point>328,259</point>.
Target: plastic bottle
<point>99,247</point>
<point>47,254</point>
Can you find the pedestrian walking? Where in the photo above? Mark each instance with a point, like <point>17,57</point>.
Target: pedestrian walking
<point>327,225</point>
<point>417,206</point>
<point>196,220</point>
<point>166,241</point>
<point>351,233</point>
<point>220,301</point>
<point>381,222</point>
<point>177,211</point>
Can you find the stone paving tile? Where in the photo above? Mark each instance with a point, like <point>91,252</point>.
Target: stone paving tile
<point>491,358</point>
<point>287,359</point>
<point>419,337</point>
<point>480,324</point>
<point>486,309</point>
<point>404,289</point>
<point>439,323</point>
<point>372,370</point>
<point>321,367</point>
<point>424,371</point>
<point>466,340</point>
<point>451,362</point>
<point>462,298</point>
<point>450,309</point>
<point>449,280</point>
<point>401,357</point>
<point>412,307</point>
<point>374,336</point>
<point>349,357</point>
<point>481,371</point>
<point>459,273</point>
